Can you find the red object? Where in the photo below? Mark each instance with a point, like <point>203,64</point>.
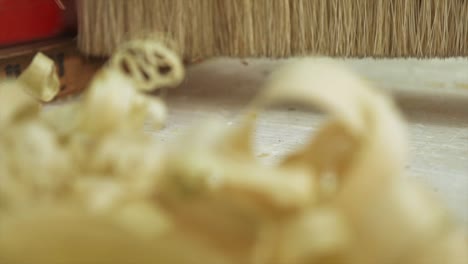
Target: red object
<point>29,20</point>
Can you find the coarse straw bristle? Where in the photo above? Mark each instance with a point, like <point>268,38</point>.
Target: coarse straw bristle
<point>281,28</point>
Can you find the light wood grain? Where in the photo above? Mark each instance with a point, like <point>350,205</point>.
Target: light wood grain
<point>431,94</point>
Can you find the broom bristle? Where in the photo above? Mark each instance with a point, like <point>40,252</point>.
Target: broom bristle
<point>241,28</point>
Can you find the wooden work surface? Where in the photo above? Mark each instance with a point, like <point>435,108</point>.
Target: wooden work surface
<point>433,95</point>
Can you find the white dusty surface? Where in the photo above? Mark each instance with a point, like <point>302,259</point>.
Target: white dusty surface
<point>433,94</point>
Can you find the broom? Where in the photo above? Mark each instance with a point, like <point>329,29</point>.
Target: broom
<point>281,28</point>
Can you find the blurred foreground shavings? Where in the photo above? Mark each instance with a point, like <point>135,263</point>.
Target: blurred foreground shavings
<point>82,183</point>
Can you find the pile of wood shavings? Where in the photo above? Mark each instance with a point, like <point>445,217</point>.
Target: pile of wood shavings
<point>83,183</point>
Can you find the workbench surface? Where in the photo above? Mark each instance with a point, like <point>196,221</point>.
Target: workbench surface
<point>433,95</point>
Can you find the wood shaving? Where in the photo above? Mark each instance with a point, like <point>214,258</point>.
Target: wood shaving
<point>148,64</point>
<point>85,184</point>
<point>15,104</point>
<point>41,78</point>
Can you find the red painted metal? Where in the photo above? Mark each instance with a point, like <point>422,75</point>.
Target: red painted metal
<point>30,20</point>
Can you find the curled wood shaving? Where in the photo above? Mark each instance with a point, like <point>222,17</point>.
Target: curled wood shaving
<point>149,64</point>
<point>41,79</point>
<point>95,188</point>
